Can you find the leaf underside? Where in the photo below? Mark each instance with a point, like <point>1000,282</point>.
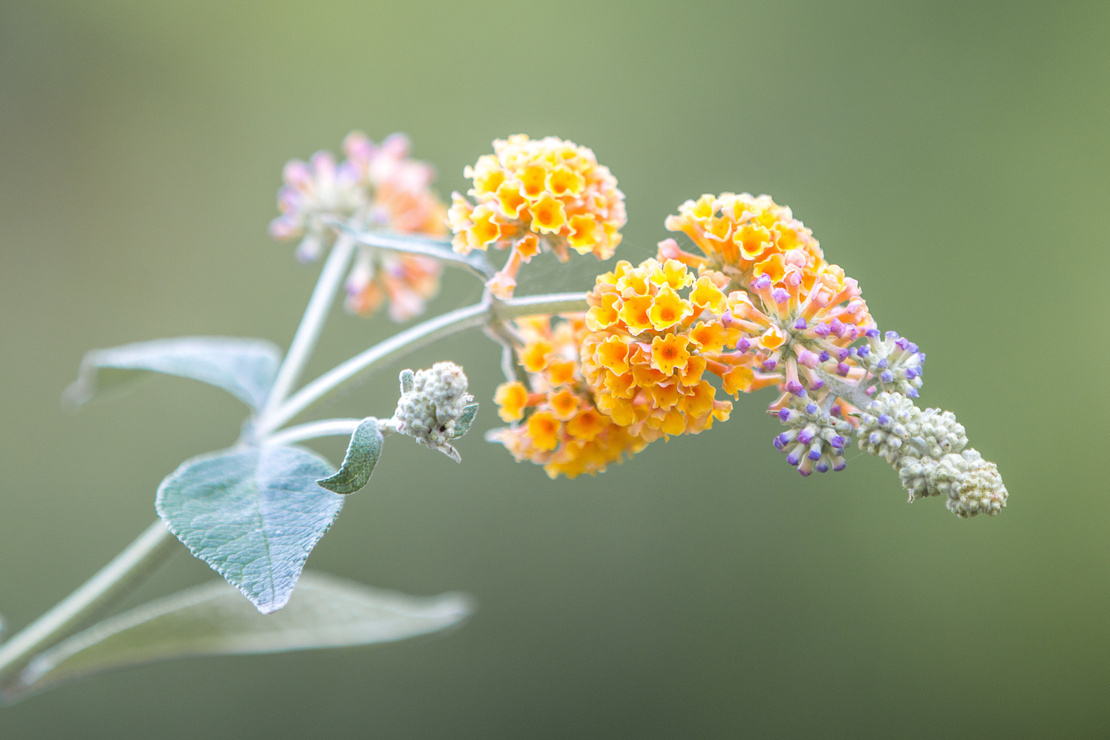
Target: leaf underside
<point>244,367</point>
<point>327,612</point>
<point>253,514</point>
<point>362,455</point>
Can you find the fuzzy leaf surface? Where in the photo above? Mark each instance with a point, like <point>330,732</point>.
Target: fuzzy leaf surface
<point>243,367</point>
<point>327,612</point>
<point>253,514</point>
<point>466,418</point>
<point>363,452</point>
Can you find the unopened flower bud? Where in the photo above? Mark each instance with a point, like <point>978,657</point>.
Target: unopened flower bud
<point>885,426</point>
<point>434,407</point>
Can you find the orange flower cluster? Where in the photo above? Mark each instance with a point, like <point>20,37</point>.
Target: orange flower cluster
<point>742,235</point>
<point>654,332</point>
<point>531,194</point>
<point>795,311</point>
<point>555,422</point>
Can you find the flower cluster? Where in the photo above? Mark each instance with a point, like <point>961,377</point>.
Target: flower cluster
<point>435,406</point>
<point>530,194</point>
<point>377,187</point>
<point>654,332</point>
<point>554,418</point>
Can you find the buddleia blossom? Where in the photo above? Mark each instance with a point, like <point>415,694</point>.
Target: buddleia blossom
<point>743,236</point>
<point>654,332</point>
<point>554,420</point>
<point>377,187</point>
<point>434,407</point>
<point>534,194</point>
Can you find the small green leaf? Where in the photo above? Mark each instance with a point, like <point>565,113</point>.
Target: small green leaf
<point>253,514</point>
<point>212,619</point>
<point>243,367</point>
<point>362,455</point>
<point>466,418</point>
<point>408,381</point>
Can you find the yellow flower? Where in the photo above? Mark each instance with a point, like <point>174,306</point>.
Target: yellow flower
<point>511,397</point>
<point>559,425</point>
<point>648,347</point>
<point>549,189</point>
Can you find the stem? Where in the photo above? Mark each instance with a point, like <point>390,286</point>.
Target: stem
<point>439,250</point>
<point>314,429</point>
<point>304,341</point>
<point>413,339</point>
<point>113,581</point>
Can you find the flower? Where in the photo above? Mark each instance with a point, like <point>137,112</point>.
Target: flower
<point>742,235</point>
<point>555,420</point>
<point>378,187</point>
<point>649,346</point>
<point>530,194</point>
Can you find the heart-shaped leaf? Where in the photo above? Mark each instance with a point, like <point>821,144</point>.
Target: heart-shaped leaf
<point>362,455</point>
<point>212,619</point>
<point>253,514</point>
<point>243,367</point>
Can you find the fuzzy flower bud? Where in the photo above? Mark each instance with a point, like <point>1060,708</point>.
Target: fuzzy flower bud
<point>434,407</point>
<point>972,485</point>
<point>893,361</point>
<point>815,439</point>
<point>886,426</point>
<point>939,432</point>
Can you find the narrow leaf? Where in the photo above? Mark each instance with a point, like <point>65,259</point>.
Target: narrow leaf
<point>362,455</point>
<point>212,619</point>
<point>466,418</point>
<point>243,367</point>
<point>253,514</point>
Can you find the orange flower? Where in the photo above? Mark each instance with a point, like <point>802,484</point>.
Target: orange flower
<point>558,424</point>
<point>547,189</point>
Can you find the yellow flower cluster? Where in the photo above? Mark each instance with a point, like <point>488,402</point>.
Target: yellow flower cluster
<point>742,235</point>
<point>654,331</point>
<point>534,193</point>
<point>563,430</point>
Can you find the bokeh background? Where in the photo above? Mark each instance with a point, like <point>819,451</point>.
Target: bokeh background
<point>953,157</point>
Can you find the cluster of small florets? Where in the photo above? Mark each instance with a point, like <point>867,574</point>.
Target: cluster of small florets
<point>377,187</point>
<point>927,448</point>
<point>815,439</point>
<point>654,332</point>
<point>554,418</point>
<point>893,361</point>
<point>530,194</point>
<point>433,403</point>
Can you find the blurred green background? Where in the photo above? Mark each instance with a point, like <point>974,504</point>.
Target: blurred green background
<point>952,157</point>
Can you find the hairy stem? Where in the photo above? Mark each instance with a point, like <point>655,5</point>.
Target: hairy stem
<point>413,339</point>
<point>113,581</point>
<point>314,430</point>
<point>304,341</point>
<point>440,250</point>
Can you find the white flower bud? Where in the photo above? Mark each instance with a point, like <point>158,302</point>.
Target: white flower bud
<point>939,432</point>
<point>886,425</point>
<point>432,405</point>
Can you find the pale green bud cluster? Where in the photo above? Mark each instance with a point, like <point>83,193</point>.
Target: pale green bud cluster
<point>927,448</point>
<point>434,407</point>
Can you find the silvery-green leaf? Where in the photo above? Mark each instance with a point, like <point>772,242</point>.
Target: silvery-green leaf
<point>362,455</point>
<point>253,514</point>
<point>243,367</point>
<point>466,418</point>
<point>326,612</point>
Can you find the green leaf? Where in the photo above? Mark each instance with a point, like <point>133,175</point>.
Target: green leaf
<point>243,367</point>
<point>362,455</point>
<point>212,619</point>
<point>253,514</point>
<point>466,418</point>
